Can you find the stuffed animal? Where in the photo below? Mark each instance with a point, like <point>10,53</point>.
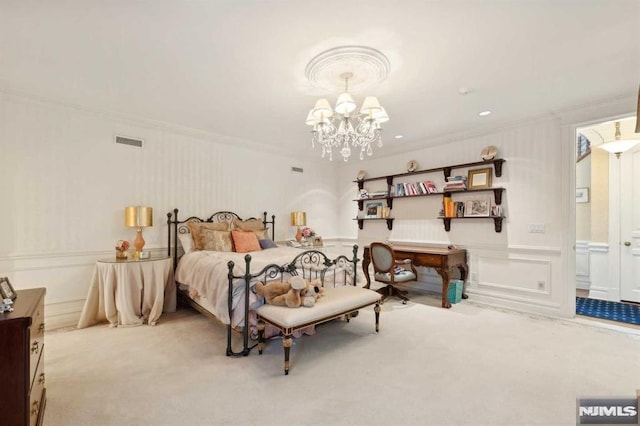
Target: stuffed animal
<point>312,292</point>
<point>282,293</point>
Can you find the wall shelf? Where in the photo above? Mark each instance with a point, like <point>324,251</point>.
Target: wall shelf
<point>446,170</point>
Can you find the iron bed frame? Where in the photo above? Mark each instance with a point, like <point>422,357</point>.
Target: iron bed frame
<point>311,264</point>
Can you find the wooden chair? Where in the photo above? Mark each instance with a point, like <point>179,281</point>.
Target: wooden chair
<point>384,266</point>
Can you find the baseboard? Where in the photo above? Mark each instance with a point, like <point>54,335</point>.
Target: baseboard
<point>62,314</point>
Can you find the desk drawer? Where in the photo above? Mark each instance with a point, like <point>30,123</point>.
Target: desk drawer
<point>36,401</point>
<point>36,341</point>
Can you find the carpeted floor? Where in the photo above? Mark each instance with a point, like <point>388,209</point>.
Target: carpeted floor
<point>467,365</point>
<point>604,309</point>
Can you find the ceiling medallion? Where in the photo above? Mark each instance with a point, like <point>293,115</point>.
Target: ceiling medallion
<point>368,66</point>
<point>345,126</point>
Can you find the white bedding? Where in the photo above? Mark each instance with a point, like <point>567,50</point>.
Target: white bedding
<point>206,275</point>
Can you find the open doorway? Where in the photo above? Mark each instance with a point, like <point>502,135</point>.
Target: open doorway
<point>607,214</point>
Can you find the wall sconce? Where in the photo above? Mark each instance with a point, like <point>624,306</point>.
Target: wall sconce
<point>298,219</point>
<point>138,217</point>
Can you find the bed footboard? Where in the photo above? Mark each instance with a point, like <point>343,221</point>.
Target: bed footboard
<point>310,264</point>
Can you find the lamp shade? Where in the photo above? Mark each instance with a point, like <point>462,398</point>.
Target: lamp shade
<point>370,105</point>
<point>345,104</point>
<point>138,216</point>
<point>381,115</point>
<point>619,146</point>
<point>298,219</point>
<point>322,109</point>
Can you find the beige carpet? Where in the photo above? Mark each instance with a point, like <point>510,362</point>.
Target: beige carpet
<point>428,366</point>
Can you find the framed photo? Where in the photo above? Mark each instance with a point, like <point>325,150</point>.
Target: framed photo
<point>582,195</point>
<point>479,178</point>
<point>373,209</point>
<point>480,207</point>
<point>6,289</point>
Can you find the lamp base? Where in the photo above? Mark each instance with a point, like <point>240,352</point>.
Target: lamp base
<point>299,235</point>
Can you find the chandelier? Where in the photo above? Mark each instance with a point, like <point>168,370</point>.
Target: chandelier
<point>345,127</point>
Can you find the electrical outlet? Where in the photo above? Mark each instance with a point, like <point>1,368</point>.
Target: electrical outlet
<point>536,228</point>
<point>540,285</point>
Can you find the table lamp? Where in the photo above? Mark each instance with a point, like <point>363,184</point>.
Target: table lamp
<point>138,217</point>
<point>298,219</point>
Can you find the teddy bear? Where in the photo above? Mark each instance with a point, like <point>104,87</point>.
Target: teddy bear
<point>312,292</point>
<point>282,293</point>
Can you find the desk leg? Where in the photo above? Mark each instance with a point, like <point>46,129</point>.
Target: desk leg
<point>444,274</point>
<point>366,260</point>
<point>463,276</point>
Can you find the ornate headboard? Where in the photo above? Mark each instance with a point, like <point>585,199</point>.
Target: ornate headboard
<point>176,227</point>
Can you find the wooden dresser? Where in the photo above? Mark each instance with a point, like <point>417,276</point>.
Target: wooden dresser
<point>22,391</point>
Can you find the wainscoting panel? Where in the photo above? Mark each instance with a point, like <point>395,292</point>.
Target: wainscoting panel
<point>601,287</point>
<point>583,272</point>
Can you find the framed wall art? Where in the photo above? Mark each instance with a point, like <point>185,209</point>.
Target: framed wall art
<point>479,178</point>
<point>480,207</point>
<point>6,289</point>
<point>373,209</point>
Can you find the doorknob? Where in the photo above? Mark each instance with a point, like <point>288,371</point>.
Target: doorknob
<point>627,243</point>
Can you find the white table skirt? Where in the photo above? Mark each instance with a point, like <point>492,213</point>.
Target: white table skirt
<point>129,293</point>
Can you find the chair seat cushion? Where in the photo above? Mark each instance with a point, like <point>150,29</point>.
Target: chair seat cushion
<point>399,276</point>
<point>335,301</point>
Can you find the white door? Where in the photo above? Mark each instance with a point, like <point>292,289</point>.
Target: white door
<point>630,225</point>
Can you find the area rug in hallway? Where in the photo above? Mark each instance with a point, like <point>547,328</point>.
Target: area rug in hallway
<point>604,309</point>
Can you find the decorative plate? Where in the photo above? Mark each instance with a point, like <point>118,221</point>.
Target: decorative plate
<point>412,166</point>
<point>361,175</point>
<point>488,152</point>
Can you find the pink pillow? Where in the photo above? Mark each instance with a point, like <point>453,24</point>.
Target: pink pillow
<point>245,241</point>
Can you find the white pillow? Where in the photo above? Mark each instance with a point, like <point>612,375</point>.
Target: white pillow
<point>186,241</point>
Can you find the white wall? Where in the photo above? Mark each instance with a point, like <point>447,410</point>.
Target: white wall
<point>66,184</point>
<point>512,268</point>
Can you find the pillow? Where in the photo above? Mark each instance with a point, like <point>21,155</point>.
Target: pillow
<point>245,241</point>
<point>186,241</point>
<point>248,225</point>
<point>263,234</point>
<point>216,240</point>
<point>196,227</point>
<point>267,243</point>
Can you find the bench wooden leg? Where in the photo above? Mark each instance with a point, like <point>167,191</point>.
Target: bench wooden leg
<point>377,311</point>
<point>260,326</point>
<point>287,341</point>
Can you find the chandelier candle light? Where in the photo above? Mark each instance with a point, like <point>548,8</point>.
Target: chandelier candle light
<point>138,217</point>
<point>344,127</point>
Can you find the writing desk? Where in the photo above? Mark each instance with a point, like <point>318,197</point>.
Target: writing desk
<point>444,260</point>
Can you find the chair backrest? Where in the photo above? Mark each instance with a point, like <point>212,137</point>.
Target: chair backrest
<point>382,257</point>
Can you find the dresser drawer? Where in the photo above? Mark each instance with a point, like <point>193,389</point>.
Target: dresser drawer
<point>36,341</point>
<point>36,400</point>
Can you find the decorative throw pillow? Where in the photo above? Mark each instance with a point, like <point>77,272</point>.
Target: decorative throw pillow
<point>186,241</point>
<point>263,234</point>
<point>216,240</point>
<point>267,243</point>
<point>196,228</point>
<point>245,241</point>
<point>248,225</point>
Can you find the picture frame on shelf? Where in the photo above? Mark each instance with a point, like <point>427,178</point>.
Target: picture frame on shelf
<point>582,195</point>
<point>479,178</point>
<point>6,289</point>
<point>373,209</point>
<point>478,207</point>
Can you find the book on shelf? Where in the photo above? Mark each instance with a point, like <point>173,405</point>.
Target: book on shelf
<point>431,187</point>
<point>449,208</point>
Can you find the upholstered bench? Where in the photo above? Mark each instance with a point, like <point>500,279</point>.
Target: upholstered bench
<point>336,302</point>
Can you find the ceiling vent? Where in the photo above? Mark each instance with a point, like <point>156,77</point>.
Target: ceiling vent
<point>129,141</point>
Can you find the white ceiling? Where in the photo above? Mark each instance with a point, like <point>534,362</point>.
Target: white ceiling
<point>235,68</point>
